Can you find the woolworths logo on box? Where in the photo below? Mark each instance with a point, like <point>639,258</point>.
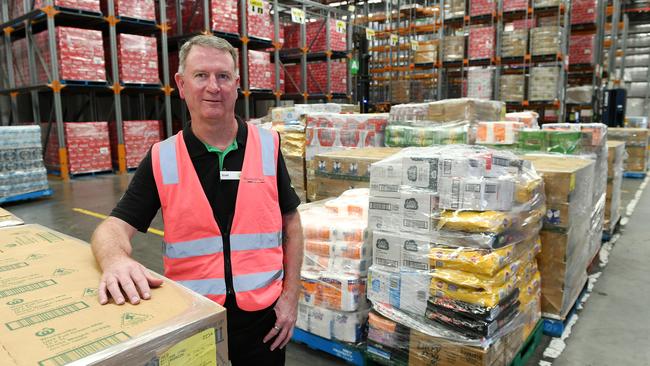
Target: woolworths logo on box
<point>131,319</point>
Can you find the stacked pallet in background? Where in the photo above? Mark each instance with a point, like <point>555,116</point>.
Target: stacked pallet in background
<point>514,5</point>
<point>80,54</point>
<point>482,7</point>
<point>581,48</point>
<point>316,36</point>
<point>455,231</point>
<point>442,122</point>
<point>453,48</point>
<point>454,9</point>
<point>545,40</point>
<point>337,255</point>
<point>636,146</point>
<point>337,171</point>
<point>479,82</point>
<point>21,166</point>
<point>138,138</point>
<point>224,15</point>
<point>258,19</point>
<point>261,71</point>
<point>481,43</point>
<point>136,9</point>
<point>137,59</point>
<point>511,87</point>
<point>317,78</point>
<point>87,145</point>
<point>615,158</point>
<point>584,11</point>
<point>543,83</point>
<point>514,43</point>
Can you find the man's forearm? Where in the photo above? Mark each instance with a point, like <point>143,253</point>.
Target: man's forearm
<point>292,243</point>
<point>111,239</point>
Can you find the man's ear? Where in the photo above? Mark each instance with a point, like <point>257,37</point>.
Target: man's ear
<point>180,84</point>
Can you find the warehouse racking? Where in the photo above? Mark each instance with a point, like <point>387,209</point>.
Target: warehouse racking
<point>110,98</point>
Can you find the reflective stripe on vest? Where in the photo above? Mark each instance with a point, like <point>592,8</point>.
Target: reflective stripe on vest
<point>268,152</point>
<point>253,281</point>
<point>168,164</point>
<point>211,286</point>
<point>193,248</point>
<point>255,241</point>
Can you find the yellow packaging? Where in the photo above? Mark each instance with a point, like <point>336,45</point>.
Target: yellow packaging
<point>474,221</point>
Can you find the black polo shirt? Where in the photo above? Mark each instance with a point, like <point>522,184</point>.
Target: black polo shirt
<point>140,203</point>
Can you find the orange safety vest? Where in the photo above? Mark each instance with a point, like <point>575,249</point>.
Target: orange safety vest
<point>193,244</point>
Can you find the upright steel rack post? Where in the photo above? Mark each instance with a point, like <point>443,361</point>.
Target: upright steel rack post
<point>167,89</point>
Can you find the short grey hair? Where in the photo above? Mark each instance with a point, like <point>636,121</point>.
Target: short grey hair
<point>208,41</point>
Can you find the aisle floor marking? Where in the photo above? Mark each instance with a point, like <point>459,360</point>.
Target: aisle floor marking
<point>102,216</point>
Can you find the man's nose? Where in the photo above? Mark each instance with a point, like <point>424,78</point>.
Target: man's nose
<point>213,84</point>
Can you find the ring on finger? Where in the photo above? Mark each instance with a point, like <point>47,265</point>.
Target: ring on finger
<point>276,328</point>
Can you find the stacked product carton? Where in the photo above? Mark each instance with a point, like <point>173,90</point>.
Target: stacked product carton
<point>21,166</point>
<point>261,71</point>
<point>427,52</point>
<point>136,9</point>
<point>581,48</point>
<point>636,146</point>
<point>455,232</point>
<point>316,36</point>
<point>453,48</point>
<point>543,83</point>
<point>138,138</point>
<point>479,82</point>
<point>514,5</point>
<point>88,5</point>
<point>442,122</point>
<point>317,78</point>
<point>584,11</point>
<point>481,43</point>
<point>137,59</point>
<point>57,319</point>
<point>333,302</point>
<point>224,15</point>
<point>545,40</point>
<point>511,87</point>
<point>258,19</point>
<point>513,43</point>
<point>482,7</point>
<point>87,144</point>
<point>615,158</point>
<point>454,9</point>
<point>331,173</point>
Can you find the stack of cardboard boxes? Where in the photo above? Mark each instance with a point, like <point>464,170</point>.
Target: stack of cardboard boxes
<point>87,144</point>
<point>21,161</point>
<point>636,146</point>
<point>138,138</point>
<point>136,9</point>
<point>137,59</point>
<point>615,158</point>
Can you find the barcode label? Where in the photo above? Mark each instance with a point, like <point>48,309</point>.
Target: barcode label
<point>380,206</point>
<point>422,296</point>
<point>490,188</point>
<point>417,224</point>
<point>500,161</point>
<point>386,187</point>
<point>415,265</point>
<point>11,267</point>
<point>455,195</point>
<point>48,315</point>
<point>387,262</point>
<point>26,288</point>
<point>472,187</point>
<point>85,350</point>
<point>446,167</point>
<point>394,283</point>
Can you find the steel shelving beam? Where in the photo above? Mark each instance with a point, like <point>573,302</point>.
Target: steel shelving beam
<point>276,51</point>
<point>116,87</point>
<point>303,57</point>
<point>497,52</point>
<point>611,67</point>
<point>31,59</point>
<point>597,78</point>
<point>620,75</point>
<point>441,38</point>
<point>243,31</point>
<point>10,64</point>
<point>564,70</point>
<point>167,89</point>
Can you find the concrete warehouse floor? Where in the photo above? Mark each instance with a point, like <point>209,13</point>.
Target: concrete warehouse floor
<point>613,327</point>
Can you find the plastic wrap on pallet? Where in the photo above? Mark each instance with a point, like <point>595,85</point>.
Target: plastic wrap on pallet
<point>260,70</point>
<point>584,11</point>
<point>528,118</point>
<point>615,158</point>
<point>638,89</point>
<point>566,249</point>
<point>136,9</point>
<point>636,147</point>
<point>448,110</point>
<point>453,48</point>
<point>344,326</point>
<point>454,9</point>
<point>317,78</point>
<point>636,122</point>
<point>482,7</point>
<point>87,145</point>
<point>437,134</point>
<point>581,48</point>
<point>391,343</point>
<point>636,107</point>
<point>455,235</point>
<point>21,167</point>
<point>88,5</point>
<point>292,143</point>
<point>328,132</point>
<point>258,19</point>
<point>427,52</point>
<point>137,58</point>
<point>481,43</point>
<point>513,43</point>
<point>511,87</point>
<point>514,5</point>
<point>80,54</point>
<point>521,24</point>
<point>579,94</point>
<point>498,133</point>
<point>316,36</point>
<point>479,82</point>
<point>138,136</point>
<point>543,83</point>
<point>545,3</point>
<point>545,40</point>
<point>400,91</point>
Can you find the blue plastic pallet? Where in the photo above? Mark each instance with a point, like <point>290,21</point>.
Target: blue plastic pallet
<point>634,175</point>
<point>554,327</point>
<point>350,354</point>
<point>27,196</point>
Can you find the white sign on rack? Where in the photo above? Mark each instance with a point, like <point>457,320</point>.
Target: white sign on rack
<point>340,26</point>
<point>297,16</point>
<point>256,7</point>
<point>370,34</point>
<point>394,39</point>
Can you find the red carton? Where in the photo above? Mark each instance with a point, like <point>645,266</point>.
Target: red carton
<point>481,43</point>
<point>515,5</point>
<point>316,36</point>
<point>137,58</point>
<point>138,138</point>
<point>224,16</point>
<point>258,19</point>
<point>87,145</point>
<point>581,49</point>
<point>317,78</point>
<point>481,7</point>
<point>137,9</point>
<point>583,11</point>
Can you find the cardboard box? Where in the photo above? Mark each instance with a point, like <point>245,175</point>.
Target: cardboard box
<point>631,136</point>
<point>424,349</point>
<point>319,188</point>
<point>386,250</point>
<point>384,213</point>
<point>138,9</point>
<point>562,176</point>
<point>615,154</point>
<point>8,219</point>
<point>351,164</point>
<point>51,314</point>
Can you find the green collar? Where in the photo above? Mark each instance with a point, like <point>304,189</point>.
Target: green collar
<point>222,154</point>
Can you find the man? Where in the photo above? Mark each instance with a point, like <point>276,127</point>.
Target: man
<point>232,232</point>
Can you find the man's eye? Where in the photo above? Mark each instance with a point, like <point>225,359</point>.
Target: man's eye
<point>200,75</point>
<point>224,77</point>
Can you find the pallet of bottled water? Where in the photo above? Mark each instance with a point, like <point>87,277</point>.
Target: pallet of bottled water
<point>22,171</point>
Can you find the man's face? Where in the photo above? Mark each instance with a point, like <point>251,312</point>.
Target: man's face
<point>208,84</point>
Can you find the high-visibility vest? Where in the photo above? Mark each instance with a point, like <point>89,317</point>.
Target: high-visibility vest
<point>193,244</point>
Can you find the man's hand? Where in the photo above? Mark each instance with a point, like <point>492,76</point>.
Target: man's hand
<point>124,276</point>
<point>286,309</point>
